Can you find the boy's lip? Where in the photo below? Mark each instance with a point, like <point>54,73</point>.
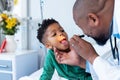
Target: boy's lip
<point>64,42</point>
<point>64,39</point>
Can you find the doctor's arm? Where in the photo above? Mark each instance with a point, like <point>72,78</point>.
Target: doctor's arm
<point>103,68</point>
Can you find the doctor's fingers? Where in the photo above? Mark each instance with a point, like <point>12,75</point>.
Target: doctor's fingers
<point>57,54</point>
<point>80,46</point>
<point>60,58</point>
<point>63,59</point>
<point>75,42</point>
<point>77,39</point>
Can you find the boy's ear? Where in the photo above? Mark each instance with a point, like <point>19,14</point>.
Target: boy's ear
<point>47,45</point>
<point>93,19</point>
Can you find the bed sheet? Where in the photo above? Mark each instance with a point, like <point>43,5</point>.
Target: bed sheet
<point>36,75</point>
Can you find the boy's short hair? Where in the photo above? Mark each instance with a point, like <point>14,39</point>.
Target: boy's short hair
<point>43,27</point>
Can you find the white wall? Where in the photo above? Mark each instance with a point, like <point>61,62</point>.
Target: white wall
<point>61,10</point>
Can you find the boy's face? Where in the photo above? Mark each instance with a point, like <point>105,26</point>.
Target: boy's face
<point>56,37</point>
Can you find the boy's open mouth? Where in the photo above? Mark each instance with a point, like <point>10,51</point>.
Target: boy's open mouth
<point>64,41</point>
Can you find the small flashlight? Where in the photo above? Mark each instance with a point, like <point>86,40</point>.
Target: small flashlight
<point>81,36</point>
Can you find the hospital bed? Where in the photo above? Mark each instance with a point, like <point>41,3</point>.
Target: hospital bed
<point>36,76</point>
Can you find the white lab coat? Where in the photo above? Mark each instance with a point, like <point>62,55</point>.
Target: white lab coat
<point>105,68</point>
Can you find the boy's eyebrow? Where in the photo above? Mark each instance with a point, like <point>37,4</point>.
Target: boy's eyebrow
<point>51,32</point>
<point>60,26</point>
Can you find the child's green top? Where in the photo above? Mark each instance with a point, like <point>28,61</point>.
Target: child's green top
<point>66,71</point>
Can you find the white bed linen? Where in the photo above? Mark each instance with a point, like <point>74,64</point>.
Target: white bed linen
<point>36,75</point>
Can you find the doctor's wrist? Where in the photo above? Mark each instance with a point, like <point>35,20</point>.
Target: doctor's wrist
<point>92,57</point>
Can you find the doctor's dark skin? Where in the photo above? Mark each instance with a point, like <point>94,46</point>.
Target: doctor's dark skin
<point>83,47</point>
<point>94,19</point>
<point>94,23</point>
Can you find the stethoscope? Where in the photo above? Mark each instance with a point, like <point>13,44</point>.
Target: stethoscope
<point>114,48</point>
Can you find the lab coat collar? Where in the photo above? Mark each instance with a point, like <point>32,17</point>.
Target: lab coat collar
<point>116,19</point>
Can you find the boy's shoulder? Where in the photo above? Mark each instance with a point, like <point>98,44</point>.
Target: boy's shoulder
<point>50,53</point>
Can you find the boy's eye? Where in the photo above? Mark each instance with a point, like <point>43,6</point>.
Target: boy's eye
<point>54,34</point>
<point>62,30</point>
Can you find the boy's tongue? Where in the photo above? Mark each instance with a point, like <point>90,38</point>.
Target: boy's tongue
<point>64,42</point>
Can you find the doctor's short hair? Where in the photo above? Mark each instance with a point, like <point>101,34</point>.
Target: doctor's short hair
<point>43,27</point>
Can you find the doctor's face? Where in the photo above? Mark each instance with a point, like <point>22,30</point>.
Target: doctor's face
<point>100,33</point>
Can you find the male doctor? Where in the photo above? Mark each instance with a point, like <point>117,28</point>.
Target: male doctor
<point>99,19</point>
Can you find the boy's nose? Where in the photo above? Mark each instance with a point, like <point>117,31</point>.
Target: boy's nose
<point>60,33</point>
<point>61,38</point>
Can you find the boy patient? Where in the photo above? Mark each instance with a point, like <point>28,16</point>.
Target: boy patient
<point>51,34</point>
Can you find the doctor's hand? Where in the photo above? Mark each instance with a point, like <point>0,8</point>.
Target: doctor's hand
<point>83,48</point>
<point>70,58</point>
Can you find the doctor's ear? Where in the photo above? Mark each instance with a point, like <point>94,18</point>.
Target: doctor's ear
<point>93,19</point>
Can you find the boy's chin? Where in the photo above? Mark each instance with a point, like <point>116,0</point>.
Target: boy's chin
<point>64,50</point>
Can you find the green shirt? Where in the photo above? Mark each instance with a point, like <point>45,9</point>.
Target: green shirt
<point>63,70</point>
